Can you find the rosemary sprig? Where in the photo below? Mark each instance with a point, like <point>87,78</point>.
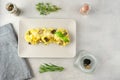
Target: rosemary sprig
<point>46,8</point>
<point>50,68</point>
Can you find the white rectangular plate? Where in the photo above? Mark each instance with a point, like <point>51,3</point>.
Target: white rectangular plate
<point>51,50</point>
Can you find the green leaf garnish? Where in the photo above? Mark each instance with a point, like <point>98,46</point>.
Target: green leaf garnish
<point>62,36</point>
<point>46,8</point>
<point>65,39</point>
<point>59,34</point>
<point>50,68</point>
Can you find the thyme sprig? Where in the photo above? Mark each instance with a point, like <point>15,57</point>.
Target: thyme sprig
<point>50,68</point>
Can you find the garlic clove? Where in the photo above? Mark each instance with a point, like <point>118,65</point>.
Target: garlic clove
<point>85,9</point>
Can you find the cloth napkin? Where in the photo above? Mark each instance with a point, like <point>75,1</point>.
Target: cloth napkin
<point>12,67</point>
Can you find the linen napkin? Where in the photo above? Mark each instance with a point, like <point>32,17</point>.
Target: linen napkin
<point>12,67</point>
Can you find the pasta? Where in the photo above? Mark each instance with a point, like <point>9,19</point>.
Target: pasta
<point>46,36</point>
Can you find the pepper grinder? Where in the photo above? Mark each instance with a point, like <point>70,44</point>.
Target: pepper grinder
<point>12,9</point>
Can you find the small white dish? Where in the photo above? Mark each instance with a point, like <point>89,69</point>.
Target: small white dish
<point>51,50</point>
<point>79,62</point>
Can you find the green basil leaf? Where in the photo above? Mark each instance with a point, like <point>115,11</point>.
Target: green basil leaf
<point>65,39</point>
<point>59,34</point>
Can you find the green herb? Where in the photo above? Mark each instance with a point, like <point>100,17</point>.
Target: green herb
<point>50,68</point>
<point>65,39</point>
<point>59,34</point>
<point>46,8</point>
<point>62,36</point>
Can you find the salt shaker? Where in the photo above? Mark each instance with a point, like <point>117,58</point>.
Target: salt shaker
<point>12,9</point>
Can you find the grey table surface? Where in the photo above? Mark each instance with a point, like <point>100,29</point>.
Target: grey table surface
<point>98,32</point>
